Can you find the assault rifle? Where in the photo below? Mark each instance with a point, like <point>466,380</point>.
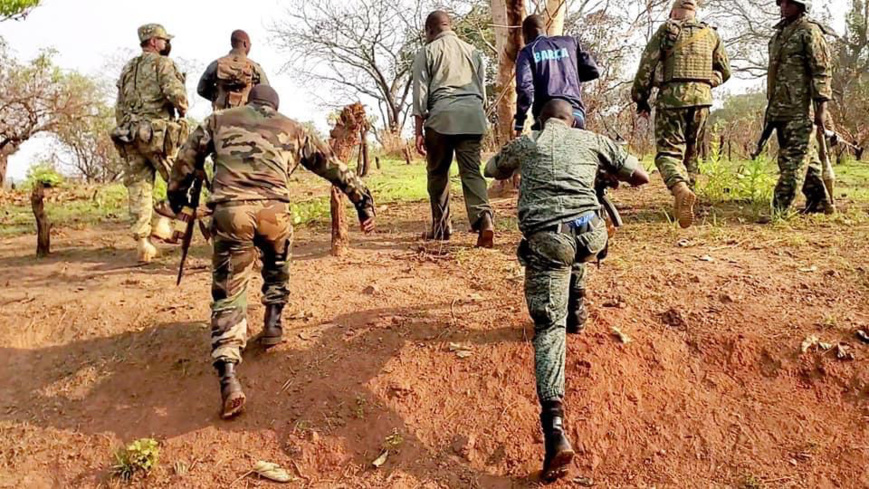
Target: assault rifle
<point>185,221</point>
<point>604,181</point>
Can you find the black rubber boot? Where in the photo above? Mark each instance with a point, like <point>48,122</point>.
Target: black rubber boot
<point>559,453</point>
<point>272,328</point>
<point>577,315</point>
<point>230,390</point>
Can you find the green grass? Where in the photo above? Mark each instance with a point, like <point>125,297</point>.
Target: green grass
<point>79,206</point>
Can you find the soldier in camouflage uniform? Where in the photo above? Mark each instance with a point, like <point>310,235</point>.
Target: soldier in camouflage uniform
<point>149,111</point>
<point>227,81</point>
<point>255,150</point>
<point>799,74</point>
<point>690,59</point>
<point>560,218</point>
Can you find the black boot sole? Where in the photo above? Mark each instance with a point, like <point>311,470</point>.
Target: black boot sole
<point>269,341</point>
<point>233,405</point>
<point>557,466</point>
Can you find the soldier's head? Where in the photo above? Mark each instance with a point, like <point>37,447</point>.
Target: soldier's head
<point>154,38</point>
<point>557,109</point>
<point>793,8</point>
<point>533,27</point>
<point>684,10</point>
<point>240,40</point>
<point>436,23</point>
<point>264,95</point>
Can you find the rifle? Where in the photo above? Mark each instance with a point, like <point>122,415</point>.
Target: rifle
<point>827,174</point>
<point>768,128</point>
<point>185,221</point>
<point>604,181</point>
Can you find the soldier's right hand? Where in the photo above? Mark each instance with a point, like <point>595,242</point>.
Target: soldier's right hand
<point>420,145</point>
<point>367,226</point>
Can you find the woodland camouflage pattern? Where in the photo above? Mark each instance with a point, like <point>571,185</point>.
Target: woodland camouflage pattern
<point>799,73</point>
<point>255,150</point>
<point>679,93</point>
<point>674,130</point>
<point>558,167</point>
<point>150,91</point>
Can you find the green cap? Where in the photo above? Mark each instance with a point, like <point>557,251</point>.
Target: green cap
<point>150,31</point>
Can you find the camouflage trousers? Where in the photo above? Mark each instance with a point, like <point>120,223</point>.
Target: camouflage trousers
<point>554,270</point>
<point>141,167</point>
<point>798,165</point>
<point>242,231</point>
<point>676,134</point>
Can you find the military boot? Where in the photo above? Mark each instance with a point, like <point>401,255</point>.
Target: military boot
<point>230,389</point>
<point>559,454</point>
<point>684,206</point>
<point>577,315</point>
<point>145,251</point>
<point>486,238</point>
<point>272,327</point>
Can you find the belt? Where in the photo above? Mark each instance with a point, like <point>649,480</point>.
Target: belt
<point>582,224</point>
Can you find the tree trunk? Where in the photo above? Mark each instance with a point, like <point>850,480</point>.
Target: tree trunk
<point>364,164</point>
<point>4,161</point>
<point>340,238</point>
<point>43,226</point>
<point>554,16</point>
<point>507,16</point>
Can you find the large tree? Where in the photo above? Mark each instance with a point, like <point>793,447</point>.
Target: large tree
<point>35,97</point>
<point>363,48</point>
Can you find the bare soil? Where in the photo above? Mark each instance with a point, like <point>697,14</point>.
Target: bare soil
<point>711,391</point>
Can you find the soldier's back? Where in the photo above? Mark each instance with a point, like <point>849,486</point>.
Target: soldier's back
<point>141,95</point>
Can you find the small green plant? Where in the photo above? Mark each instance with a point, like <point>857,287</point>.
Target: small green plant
<point>755,183</point>
<point>141,455</point>
<point>719,180</point>
<point>751,482</point>
<point>393,441</point>
<point>43,172</point>
<point>360,406</point>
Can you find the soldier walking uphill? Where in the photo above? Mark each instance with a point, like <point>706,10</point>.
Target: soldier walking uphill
<point>691,57</point>
<point>255,150</point>
<point>150,113</point>
<point>449,88</point>
<point>227,81</point>
<point>560,219</point>
<point>799,74</point>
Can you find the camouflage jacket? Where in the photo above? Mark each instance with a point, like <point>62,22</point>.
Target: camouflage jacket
<point>678,94</point>
<point>150,87</point>
<point>558,166</point>
<point>255,150</point>
<point>799,69</point>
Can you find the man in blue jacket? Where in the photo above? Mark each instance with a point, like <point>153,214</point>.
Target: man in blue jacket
<point>550,68</point>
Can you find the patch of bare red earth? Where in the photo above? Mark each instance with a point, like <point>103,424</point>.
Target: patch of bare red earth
<point>711,391</point>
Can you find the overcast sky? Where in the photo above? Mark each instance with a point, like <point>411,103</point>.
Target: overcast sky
<point>89,33</point>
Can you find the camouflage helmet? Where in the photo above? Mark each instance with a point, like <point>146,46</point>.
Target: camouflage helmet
<point>805,3</point>
<point>150,31</point>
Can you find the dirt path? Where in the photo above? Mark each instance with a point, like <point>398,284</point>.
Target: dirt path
<point>711,392</point>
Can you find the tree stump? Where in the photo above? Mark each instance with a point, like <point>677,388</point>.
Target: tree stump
<point>43,225</point>
<point>343,137</point>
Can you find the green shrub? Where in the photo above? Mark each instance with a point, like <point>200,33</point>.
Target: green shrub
<point>43,172</point>
<point>140,456</point>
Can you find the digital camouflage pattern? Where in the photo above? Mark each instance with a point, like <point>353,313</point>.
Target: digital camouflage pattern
<point>798,164</point>
<point>227,81</point>
<point>554,271</point>
<point>799,73</point>
<point>800,69</point>
<point>150,91</point>
<point>149,31</point>
<point>239,231</point>
<point>681,92</point>
<point>558,166</point>
<point>676,134</point>
<point>255,150</point>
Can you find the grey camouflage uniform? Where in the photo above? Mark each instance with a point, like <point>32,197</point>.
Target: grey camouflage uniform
<point>559,217</point>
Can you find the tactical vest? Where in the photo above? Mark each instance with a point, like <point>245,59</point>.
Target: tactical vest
<point>234,81</point>
<point>688,49</point>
